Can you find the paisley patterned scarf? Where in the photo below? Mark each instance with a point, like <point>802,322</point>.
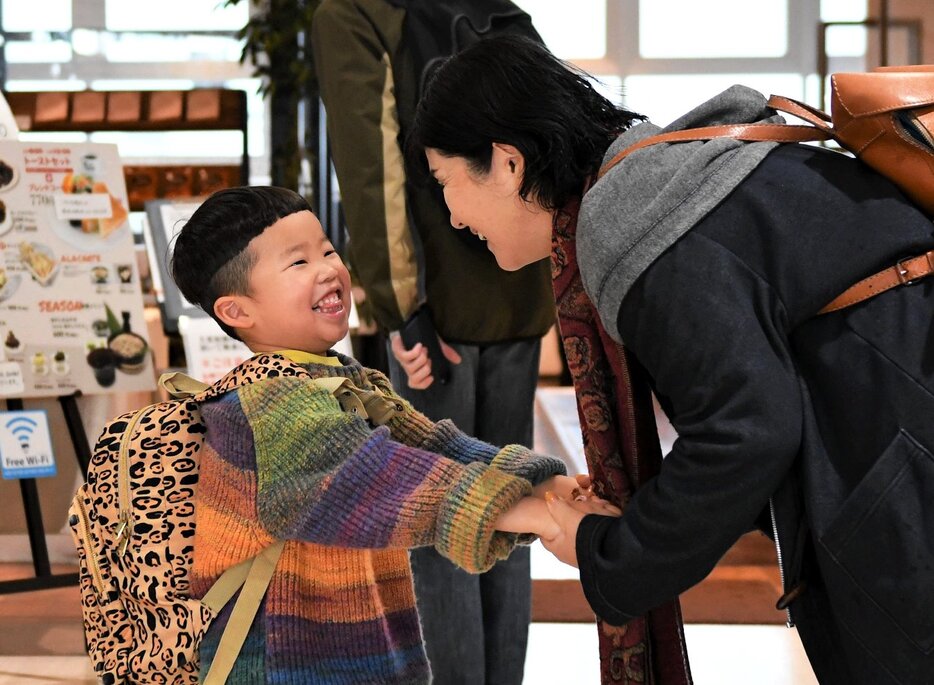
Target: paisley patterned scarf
<point>622,449</point>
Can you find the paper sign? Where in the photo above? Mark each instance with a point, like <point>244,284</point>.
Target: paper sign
<point>11,379</point>
<point>83,206</point>
<point>209,351</point>
<point>26,445</point>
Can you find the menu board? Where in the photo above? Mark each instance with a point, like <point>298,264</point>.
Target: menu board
<point>71,305</point>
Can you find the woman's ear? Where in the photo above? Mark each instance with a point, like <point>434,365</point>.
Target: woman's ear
<point>508,160</point>
<point>232,310</point>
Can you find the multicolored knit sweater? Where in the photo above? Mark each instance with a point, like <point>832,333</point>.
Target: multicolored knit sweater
<point>282,460</point>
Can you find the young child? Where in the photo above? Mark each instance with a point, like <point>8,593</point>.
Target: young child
<point>282,460</point>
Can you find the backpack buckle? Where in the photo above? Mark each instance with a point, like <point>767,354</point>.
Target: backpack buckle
<point>902,272</point>
<point>904,268</point>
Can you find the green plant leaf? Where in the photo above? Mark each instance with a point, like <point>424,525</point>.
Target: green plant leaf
<point>112,323</point>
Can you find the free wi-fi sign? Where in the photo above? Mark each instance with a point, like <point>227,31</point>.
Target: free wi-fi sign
<point>26,444</point>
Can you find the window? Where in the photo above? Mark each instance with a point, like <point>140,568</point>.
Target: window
<point>115,44</point>
<point>666,56</point>
<point>175,15</point>
<point>570,29</point>
<point>36,15</point>
<point>687,29</point>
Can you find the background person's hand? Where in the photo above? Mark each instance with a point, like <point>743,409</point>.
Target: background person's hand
<point>568,515</point>
<point>415,362</point>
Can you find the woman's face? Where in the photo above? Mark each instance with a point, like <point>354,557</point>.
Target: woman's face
<point>516,232</point>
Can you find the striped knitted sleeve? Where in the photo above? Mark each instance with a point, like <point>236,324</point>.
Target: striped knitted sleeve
<point>414,428</point>
<point>326,476</point>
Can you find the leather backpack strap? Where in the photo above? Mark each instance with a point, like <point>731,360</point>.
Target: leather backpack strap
<point>905,272</point>
<point>778,133</point>
<point>812,115</point>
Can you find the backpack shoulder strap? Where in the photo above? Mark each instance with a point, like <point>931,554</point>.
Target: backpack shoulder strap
<point>332,383</point>
<point>180,385</point>
<point>779,133</point>
<point>257,368</point>
<point>254,576</point>
<point>812,115</point>
<point>820,129</point>
<point>904,272</point>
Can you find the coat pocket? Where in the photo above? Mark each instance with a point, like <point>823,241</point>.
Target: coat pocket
<point>883,542</point>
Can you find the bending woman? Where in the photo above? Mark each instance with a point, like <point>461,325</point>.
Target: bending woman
<point>709,261</point>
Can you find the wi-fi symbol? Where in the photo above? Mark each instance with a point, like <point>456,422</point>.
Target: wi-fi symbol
<point>22,428</point>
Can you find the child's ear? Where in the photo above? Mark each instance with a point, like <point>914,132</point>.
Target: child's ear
<point>232,311</point>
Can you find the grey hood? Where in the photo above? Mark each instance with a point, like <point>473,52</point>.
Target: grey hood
<point>654,196</point>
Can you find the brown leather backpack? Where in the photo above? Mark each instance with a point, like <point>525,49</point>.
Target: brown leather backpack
<point>885,118</point>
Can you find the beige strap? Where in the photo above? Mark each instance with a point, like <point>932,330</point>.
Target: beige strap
<point>369,405</point>
<point>905,272</point>
<point>332,383</point>
<point>180,385</point>
<point>226,585</point>
<point>261,568</point>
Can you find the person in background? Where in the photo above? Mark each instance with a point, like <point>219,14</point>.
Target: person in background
<point>489,323</point>
<point>710,261</point>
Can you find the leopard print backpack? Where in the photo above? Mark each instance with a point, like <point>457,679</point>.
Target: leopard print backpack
<point>133,522</point>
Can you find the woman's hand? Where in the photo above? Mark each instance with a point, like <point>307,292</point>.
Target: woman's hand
<point>415,362</point>
<point>568,516</point>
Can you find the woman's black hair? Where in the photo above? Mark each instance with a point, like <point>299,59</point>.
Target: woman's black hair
<point>508,89</point>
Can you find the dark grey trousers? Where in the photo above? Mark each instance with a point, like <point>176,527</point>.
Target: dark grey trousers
<point>476,626</point>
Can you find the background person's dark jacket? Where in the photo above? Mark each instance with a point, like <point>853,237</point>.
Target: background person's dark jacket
<point>402,246</point>
<point>827,420</point>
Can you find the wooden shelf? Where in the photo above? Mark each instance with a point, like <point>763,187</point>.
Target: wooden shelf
<point>124,110</point>
<point>88,111</point>
<point>166,181</point>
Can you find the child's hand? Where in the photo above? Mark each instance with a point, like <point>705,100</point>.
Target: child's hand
<point>567,487</point>
<point>528,515</point>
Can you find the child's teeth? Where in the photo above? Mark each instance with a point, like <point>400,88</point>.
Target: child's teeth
<point>331,303</point>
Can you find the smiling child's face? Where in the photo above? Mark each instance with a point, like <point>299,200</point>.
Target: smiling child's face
<point>299,289</point>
